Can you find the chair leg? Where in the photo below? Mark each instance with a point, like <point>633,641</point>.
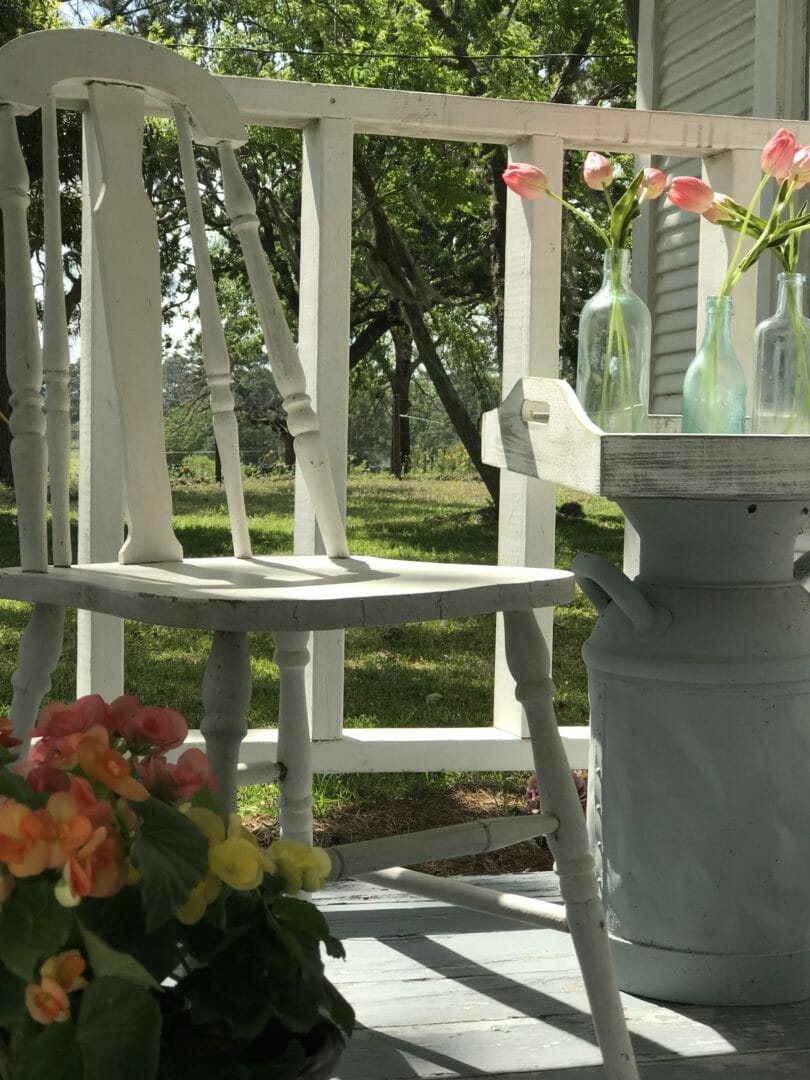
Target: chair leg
<point>294,739</point>
<point>226,695</point>
<point>529,661</point>
<point>38,654</point>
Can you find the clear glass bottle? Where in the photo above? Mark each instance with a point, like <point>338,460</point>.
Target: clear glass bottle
<point>613,356</point>
<point>781,403</point>
<point>714,387</point>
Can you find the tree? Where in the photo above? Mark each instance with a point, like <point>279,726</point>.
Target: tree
<point>429,217</point>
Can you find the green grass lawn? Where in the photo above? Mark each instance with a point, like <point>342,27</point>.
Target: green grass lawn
<point>391,672</point>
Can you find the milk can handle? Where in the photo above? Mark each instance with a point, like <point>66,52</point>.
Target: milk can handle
<point>602,583</point>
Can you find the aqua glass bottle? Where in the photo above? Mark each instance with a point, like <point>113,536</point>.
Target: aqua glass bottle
<point>781,403</point>
<point>714,389</point>
<point>613,355</point>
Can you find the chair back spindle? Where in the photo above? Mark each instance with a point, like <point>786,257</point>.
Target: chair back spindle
<point>23,354</point>
<point>55,349</point>
<point>288,373</point>
<point>215,351</point>
<point>126,246</point>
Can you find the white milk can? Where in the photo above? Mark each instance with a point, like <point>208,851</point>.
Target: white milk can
<point>699,784</point>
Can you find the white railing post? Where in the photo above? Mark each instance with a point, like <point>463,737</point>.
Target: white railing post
<point>531,336</point>
<point>323,346</point>
<point>100,638</point>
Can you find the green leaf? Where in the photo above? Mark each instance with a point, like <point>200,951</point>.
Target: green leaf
<point>14,787</point>
<point>107,961</point>
<point>52,1052</point>
<point>12,997</point>
<point>205,797</point>
<point>300,915</point>
<point>172,856</point>
<point>33,926</point>
<point>118,1031</point>
<point>339,1008</point>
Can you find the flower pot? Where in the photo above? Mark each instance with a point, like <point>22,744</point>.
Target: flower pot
<point>613,355</point>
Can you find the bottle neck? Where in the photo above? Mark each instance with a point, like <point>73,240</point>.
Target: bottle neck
<point>616,267</point>
<point>791,294</point>
<point>718,315</point>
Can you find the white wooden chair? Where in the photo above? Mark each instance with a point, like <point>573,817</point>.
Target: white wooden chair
<point>120,78</point>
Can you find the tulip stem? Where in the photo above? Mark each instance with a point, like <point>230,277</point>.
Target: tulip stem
<point>603,236</point>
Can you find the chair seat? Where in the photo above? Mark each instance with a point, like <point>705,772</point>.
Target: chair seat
<point>297,592</point>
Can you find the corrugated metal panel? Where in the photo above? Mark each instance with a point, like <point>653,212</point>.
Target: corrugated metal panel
<point>705,56</point>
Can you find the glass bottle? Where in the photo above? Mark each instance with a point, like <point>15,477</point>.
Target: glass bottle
<point>613,356</point>
<point>781,403</point>
<point>714,387</point>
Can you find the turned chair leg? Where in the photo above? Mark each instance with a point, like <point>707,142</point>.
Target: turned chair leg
<point>294,740</point>
<point>226,695</point>
<point>530,663</point>
<point>38,654</point>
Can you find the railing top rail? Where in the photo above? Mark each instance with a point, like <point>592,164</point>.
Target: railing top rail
<point>405,113</point>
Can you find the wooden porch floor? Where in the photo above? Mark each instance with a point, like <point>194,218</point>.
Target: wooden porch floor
<point>442,992</point>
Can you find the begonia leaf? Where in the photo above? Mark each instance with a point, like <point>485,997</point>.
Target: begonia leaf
<point>33,926</point>
<point>118,1031</point>
<point>172,856</point>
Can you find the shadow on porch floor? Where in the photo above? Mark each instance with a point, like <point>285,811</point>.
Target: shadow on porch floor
<point>442,992</point>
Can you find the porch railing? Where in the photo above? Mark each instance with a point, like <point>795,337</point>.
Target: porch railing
<point>329,117</point>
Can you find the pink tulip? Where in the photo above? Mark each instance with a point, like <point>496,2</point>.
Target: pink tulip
<point>652,184</point>
<point>800,170</point>
<point>528,181</point>
<point>689,193</point>
<point>597,172</point>
<point>778,153</point>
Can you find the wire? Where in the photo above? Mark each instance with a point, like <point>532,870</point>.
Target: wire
<point>261,51</point>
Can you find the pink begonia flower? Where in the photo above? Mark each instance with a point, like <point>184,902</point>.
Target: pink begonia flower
<point>147,725</point>
<point>192,771</point>
<point>652,185</point>
<point>800,170</point>
<point>689,193</point>
<point>778,153</point>
<point>56,719</point>
<point>528,181</point>
<point>597,172</point>
<point>155,773</point>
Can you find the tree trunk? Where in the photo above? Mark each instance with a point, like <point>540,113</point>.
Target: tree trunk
<point>400,379</point>
<point>453,405</point>
<point>5,390</point>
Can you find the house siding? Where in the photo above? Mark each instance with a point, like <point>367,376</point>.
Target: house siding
<point>703,62</point>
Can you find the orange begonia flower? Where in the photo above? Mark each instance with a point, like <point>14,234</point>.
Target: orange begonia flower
<point>66,969</point>
<point>68,827</point>
<point>107,766</point>
<point>47,1003</point>
<point>24,845</point>
<point>98,869</point>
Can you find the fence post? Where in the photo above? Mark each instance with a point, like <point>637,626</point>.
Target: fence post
<point>531,336</point>
<point>323,345</point>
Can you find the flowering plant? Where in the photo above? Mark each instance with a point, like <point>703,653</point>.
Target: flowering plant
<point>529,181</point>
<point>788,163</point>
<point>143,933</point>
<point>612,350</point>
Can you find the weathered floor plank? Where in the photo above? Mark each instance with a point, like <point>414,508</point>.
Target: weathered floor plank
<point>447,994</point>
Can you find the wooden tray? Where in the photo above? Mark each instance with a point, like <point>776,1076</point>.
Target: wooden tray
<point>541,430</point>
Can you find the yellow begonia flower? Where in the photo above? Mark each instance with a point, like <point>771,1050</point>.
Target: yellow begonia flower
<point>237,862</point>
<point>298,865</point>
<point>204,893</point>
<point>207,821</point>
